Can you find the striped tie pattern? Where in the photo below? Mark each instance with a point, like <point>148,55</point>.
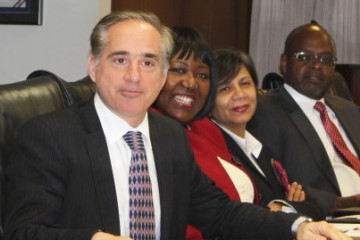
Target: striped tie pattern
<point>142,220</point>
<point>336,138</point>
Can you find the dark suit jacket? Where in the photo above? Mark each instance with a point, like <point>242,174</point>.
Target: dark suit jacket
<point>60,185</point>
<point>280,123</point>
<point>270,187</point>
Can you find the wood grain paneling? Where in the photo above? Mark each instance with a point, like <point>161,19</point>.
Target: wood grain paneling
<point>224,23</point>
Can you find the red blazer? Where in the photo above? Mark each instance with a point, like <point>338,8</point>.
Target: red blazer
<point>207,143</point>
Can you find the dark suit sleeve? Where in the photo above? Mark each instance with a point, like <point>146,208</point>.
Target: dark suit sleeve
<point>324,199</point>
<point>38,179</point>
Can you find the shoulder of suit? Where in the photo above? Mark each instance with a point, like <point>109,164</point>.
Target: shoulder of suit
<point>333,100</point>
<point>155,117</point>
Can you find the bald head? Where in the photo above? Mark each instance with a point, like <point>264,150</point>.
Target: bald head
<point>304,32</point>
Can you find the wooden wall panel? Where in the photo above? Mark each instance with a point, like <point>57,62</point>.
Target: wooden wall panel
<point>224,23</point>
<point>167,10</point>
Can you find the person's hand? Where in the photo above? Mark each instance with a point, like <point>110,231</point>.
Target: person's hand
<point>295,193</point>
<point>108,236</point>
<point>274,207</point>
<point>345,202</point>
<point>319,231</point>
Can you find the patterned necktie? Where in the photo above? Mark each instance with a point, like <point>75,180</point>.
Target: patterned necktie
<point>142,220</point>
<point>336,138</point>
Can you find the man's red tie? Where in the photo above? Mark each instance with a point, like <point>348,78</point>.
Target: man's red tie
<point>336,138</point>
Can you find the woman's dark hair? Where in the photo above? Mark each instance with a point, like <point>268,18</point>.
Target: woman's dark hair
<point>188,41</point>
<point>230,61</point>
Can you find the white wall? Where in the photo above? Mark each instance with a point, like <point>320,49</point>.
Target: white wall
<point>60,44</point>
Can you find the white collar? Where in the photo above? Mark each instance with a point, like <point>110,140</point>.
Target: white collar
<point>250,145</point>
<point>307,104</point>
<point>300,98</point>
<point>115,127</point>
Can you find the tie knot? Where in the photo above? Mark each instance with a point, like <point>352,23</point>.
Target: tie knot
<point>320,107</point>
<point>134,140</point>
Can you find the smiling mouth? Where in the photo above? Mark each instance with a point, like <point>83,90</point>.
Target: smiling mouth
<point>184,100</point>
<point>241,109</point>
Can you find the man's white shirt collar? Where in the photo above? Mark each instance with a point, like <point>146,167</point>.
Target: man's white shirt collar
<point>306,102</point>
<point>300,98</point>
<point>115,127</point>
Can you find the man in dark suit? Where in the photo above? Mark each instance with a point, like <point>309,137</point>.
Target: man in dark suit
<point>68,175</point>
<point>287,121</point>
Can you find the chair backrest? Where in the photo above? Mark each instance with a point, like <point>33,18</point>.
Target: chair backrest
<point>23,100</point>
<point>72,92</point>
<point>339,87</point>
<point>272,80</point>
<point>81,90</point>
<point>41,92</point>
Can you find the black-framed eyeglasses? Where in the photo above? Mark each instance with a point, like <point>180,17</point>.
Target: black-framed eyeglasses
<point>307,58</point>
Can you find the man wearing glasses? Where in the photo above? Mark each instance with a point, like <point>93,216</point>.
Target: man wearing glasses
<point>316,136</point>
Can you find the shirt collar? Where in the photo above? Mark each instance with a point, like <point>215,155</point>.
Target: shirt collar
<point>304,101</point>
<point>115,127</point>
<point>300,97</point>
<point>250,145</point>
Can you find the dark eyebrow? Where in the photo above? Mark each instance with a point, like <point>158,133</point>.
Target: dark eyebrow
<point>151,55</point>
<point>179,62</point>
<point>245,77</point>
<point>118,53</point>
<point>123,53</point>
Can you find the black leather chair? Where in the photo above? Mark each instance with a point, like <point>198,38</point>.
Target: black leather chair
<point>23,100</point>
<point>272,80</point>
<point>73,92</point>
<point>40,93</point>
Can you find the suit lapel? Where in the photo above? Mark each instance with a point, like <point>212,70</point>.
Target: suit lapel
<point>304,126</point>
<point>346,118</point>
<point>102,171</point>
<point>264,160</point>
<point>236,151</point>
<point>271,181</point>
<point>164,170</point>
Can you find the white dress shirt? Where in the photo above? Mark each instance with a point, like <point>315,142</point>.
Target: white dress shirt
<point>348,179</point>
<point>114,128</point>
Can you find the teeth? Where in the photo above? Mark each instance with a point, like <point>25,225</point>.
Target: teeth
<point>184,99</point>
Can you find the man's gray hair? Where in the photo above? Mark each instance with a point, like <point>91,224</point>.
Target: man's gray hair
<point>99,33</point>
